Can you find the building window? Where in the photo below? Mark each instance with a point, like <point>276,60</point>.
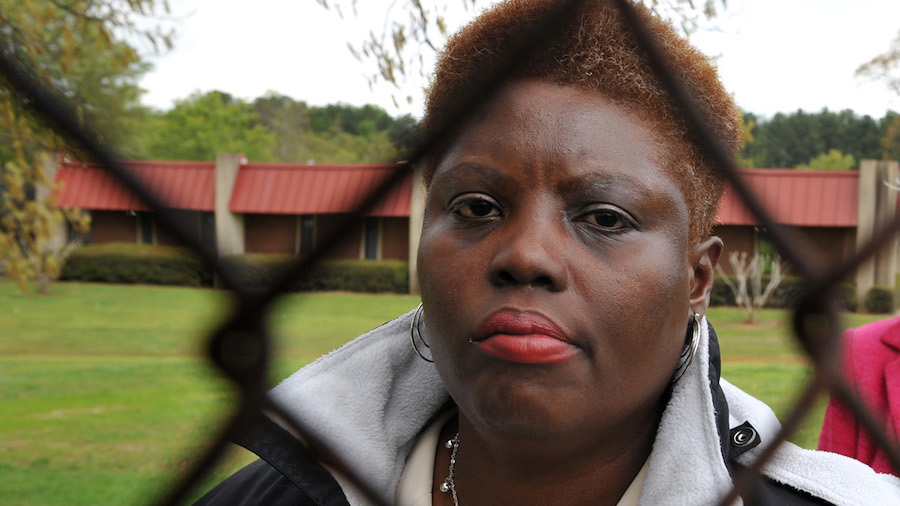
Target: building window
<point>371,238</point>
<point>145,227</point>
<point>307,234</point>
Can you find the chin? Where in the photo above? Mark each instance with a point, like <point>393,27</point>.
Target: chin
<point>521,409</point>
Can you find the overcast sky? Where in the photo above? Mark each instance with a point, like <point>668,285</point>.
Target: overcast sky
<point>774,55</point>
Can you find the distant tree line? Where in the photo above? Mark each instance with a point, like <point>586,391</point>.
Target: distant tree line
<point>273,128</point>
<point>277,128</point>
<point>823,140</point>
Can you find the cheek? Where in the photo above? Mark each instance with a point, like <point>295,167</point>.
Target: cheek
<point>448,265</point>
<point>436,258</point>
<point>643,297</point>
<point>639,280</point>
<point>445,281</point>
<point>454,285</point>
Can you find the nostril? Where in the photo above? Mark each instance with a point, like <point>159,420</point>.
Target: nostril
<point>527,261</point>
<point>544,281</point>
<point>507,278</point>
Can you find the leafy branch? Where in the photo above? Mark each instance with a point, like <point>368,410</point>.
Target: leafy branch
<point>413,31</point>
<point>884,67</point>
<point>74,47</point>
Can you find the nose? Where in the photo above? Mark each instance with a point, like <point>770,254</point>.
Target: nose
<point>532,253</point>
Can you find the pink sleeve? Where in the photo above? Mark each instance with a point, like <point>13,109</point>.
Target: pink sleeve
<point>840,428</point>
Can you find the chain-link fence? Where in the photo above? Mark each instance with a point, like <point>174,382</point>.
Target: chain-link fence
<point>240,347</point>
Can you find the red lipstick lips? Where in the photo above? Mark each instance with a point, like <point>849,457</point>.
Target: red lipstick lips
<point>523,337</point>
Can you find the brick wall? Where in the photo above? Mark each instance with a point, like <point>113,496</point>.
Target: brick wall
<point>191,220</point>
<point>113,226</point>
<point>395,239</point>
<point>736,238</point>
<point>831,244</point>
<point>349,247</point>
<point>270,233</point>
<point>264,233</point>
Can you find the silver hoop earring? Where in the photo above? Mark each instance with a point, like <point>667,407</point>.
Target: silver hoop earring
<point>415,331</point>
<point>687,353</point>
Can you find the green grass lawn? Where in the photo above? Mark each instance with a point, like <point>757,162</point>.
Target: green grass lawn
<point>763,360</point>
<point>105,395</point>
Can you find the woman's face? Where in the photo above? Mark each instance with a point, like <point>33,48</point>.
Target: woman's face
<point>556,268</point>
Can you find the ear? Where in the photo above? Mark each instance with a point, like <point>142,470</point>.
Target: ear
<point>703,261</point>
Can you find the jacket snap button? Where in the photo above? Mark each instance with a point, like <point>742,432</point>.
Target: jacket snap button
<point>743,437</point>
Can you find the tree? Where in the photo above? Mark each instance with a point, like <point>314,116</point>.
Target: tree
<point>285,118</point>
<point>350,119</point>
<point>747,128</point>
<point>342,147</point>
<point>335,133</point>
<point>832,160</point>
<point>789,140</point>
<point>751,298</point>
<point>204,124</point>
<point>405,134</point>
<point>891,140</point>
<point>784,141</point>
<point>884,67</point>
<point>412,31</point>
<point>75,48</point>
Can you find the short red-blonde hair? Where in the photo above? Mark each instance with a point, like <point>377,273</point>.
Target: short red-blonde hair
<point>598,51</point>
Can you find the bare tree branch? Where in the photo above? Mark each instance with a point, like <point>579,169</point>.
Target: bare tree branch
<point>751,300</point>
<point>884,67</point>
<point>400,62</point>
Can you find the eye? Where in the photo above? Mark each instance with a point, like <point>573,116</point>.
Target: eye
<point>475,206</point>
<point>607,219</point>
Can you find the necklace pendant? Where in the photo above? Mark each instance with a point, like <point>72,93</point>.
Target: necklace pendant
<point>449,484</point>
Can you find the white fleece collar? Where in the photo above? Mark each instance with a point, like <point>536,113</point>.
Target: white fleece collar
<point>370,398</point>
<point>832,477</point>
<point>686,461</point>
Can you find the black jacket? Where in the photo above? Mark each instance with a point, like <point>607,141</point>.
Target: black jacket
<point>285,473</point>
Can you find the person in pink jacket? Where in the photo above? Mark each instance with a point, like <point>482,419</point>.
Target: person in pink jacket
<point>872,362</point>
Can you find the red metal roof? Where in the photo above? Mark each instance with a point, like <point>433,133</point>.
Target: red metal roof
<point>795,197</point>
<point>823,198</point>
<point>181,185</point>
<point>278,188</point>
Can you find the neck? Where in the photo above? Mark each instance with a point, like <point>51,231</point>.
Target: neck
<point>590,471</point>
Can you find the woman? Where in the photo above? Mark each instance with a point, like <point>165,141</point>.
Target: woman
<point>565,264</point>
<point>871,360</point>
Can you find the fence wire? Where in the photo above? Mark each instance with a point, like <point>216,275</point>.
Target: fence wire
<point>240,348</point>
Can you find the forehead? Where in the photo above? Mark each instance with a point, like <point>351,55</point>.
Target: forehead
<point>539,132</point>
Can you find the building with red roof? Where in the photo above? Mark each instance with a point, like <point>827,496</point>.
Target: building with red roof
<point>278,208</point>
<point>236,206</point>
<point>819,207</point>
<point>273,196</point>
<point>117,215</point>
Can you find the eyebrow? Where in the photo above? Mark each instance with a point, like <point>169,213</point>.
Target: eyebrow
<point>473,170</point>
<point>599,182</point>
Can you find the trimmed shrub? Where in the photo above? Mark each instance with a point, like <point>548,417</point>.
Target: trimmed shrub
<point>164,265</point>
<point>721,294</point>
<point>896,289</point>
<point>136,263</point>
<point>257,271</point>
<point>847,296</point>
<point>786,295</point>
<point>880,299</point>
